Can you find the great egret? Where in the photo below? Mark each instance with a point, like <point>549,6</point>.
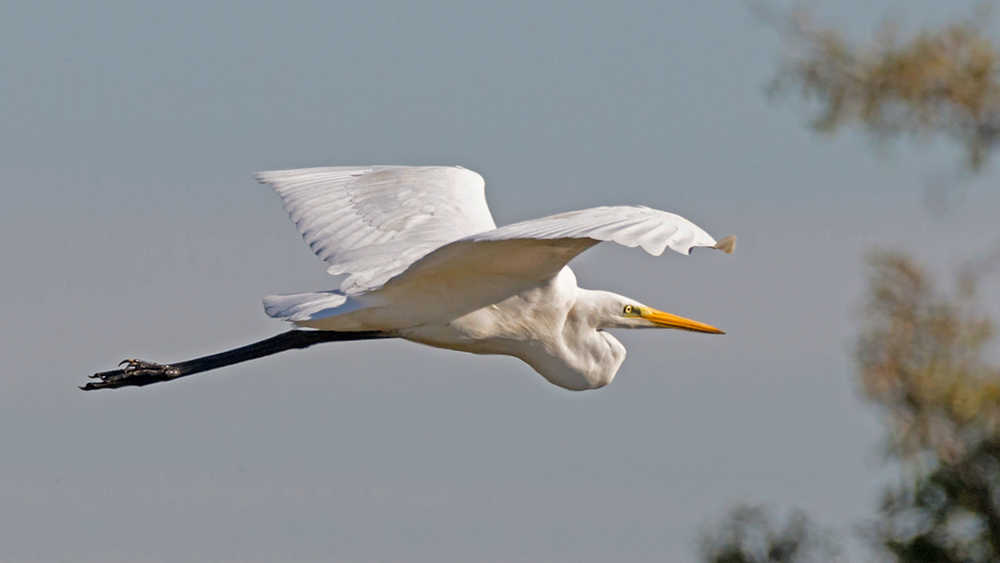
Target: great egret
<point>425,262</point>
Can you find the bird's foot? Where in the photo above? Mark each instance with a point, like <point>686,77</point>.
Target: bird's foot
<point>135,372</point>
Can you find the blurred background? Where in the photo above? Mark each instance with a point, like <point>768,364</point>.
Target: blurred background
<point>849,413</point>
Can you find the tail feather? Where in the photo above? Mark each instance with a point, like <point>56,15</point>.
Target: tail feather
<point>304,306</point>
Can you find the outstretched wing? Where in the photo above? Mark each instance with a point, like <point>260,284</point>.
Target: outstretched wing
<point>372,222</point>
<point>534,251</point>
<point>488,267</point>
<point>631,226</point>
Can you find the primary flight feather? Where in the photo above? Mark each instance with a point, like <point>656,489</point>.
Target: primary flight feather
<point>423,260</point>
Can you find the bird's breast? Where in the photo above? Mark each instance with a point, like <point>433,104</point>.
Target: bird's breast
<point>535,327</point>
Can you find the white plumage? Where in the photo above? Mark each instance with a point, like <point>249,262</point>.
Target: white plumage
<point>424,260</point>
<point>372,222</point>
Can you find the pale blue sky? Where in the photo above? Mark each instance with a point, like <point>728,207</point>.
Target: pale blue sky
<point>130,227</point>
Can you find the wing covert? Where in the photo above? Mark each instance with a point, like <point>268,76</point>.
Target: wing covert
<point>372,222</point>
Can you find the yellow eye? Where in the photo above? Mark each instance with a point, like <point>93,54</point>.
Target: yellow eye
<point>629,309</point>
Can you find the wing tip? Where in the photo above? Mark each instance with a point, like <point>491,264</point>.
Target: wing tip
<point>727,245</point>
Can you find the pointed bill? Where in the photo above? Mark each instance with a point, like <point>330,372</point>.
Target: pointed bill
<point>666,320</point>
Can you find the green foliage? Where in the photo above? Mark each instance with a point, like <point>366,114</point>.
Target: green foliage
<point>921,353</point>
<point>750,534</point>
<point>939,81</point>
<point>921,359</point>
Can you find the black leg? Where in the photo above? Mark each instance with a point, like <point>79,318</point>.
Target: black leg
<point>138,372</point>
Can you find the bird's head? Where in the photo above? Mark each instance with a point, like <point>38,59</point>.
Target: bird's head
<point>616,311</point>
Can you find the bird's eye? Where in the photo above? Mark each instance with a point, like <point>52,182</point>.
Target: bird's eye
<point>628,309</point>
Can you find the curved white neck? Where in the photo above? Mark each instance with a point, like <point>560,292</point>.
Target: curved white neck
<point>581,355</point>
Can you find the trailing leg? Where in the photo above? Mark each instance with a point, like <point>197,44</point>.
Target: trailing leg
<point>138,372</point>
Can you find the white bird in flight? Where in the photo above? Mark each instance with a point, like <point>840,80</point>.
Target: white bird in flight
<point>425,262</point>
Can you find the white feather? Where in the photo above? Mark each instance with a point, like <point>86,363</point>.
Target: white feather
<point>424,236</point>
<point>372,222</point>
<point>302,306</point>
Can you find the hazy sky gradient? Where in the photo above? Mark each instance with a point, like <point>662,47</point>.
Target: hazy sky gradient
<point>130,227</point>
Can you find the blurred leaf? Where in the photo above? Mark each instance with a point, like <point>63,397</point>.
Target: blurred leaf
<point>921,359</point>
<point>938,81</point>
<point>749,534</point>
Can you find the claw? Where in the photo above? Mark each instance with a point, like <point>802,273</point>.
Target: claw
<point>135,372</point>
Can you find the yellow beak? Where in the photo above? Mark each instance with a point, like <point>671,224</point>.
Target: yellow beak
<point>666,320</point>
